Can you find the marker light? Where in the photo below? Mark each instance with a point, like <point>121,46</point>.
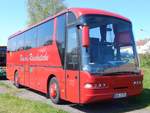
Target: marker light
<point>137,82</point>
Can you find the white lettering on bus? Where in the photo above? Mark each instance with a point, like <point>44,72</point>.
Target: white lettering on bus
<point>23,58</point>
<point>38,58</point>
<point>34,58</point>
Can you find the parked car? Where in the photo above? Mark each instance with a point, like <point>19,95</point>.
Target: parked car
<point>2,72</point>
<point>3,50</point>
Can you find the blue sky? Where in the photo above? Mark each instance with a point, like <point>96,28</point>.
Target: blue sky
<point>14,14</point>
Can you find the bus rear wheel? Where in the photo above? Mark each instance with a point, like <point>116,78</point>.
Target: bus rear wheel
<point>16,80</point>
<point>53,91</point>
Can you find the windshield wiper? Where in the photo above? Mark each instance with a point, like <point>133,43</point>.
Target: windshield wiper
<point>119,73</point>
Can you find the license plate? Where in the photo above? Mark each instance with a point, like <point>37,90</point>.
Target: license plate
<point>119,95</point>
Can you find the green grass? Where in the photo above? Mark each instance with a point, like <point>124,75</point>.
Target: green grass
<point>9,103</point>
<point>12,104</point>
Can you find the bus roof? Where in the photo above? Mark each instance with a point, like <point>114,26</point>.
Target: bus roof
<point>84,11</point>
<point>78,12</point>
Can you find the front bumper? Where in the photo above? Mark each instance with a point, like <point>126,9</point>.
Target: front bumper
<point>95,96</point>
<point>115,85</point>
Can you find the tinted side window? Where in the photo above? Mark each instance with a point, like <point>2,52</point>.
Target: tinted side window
<point>60,35</point>
<point>12,44</point>
<point>31,38</point>
<point>71,18</point>
<point>45,33</point>
<point>16,43</point>
<point>19,42</point>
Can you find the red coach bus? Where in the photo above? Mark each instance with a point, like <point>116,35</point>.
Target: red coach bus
<point>79,55</point>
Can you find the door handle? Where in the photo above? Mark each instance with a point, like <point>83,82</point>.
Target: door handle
<point>76,77</point>
<point>67,76</point>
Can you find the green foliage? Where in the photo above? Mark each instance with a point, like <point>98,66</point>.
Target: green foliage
<point>145,60</point>
<point>41,9</point>
<point>146,78</point>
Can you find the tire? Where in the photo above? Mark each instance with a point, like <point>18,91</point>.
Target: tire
<point>54,91</point>
<point>16,79</point>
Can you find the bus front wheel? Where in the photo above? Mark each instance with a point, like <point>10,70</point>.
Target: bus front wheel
<point>53,91</point>
<point>16,80</point>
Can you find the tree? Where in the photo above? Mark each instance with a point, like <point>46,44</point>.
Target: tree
<point>41,9</point>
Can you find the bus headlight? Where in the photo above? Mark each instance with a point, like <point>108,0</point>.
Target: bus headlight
<point>88,86</point>
<point>95,85</point>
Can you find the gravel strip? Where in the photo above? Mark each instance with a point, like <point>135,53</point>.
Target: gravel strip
<point>3,90</point>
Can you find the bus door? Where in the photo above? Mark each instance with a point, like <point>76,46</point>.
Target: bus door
<point>32,70</point>
<point>30,45</point>
<point>72,65</point>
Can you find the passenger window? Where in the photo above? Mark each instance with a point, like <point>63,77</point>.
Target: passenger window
<point>31,38</point>
<point>45,33</point>
<point>60,35</point>
<point>12,44</point>
<point>20,42</point>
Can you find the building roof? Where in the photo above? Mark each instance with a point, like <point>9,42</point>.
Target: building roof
<point>142,42</point>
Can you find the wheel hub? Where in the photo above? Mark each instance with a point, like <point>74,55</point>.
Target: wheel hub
<point>16,80</point>
<point>53,92</point>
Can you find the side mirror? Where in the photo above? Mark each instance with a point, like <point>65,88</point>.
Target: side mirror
<point>85,36</point>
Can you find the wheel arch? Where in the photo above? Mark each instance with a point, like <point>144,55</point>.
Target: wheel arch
<point>48,80</point>
<point>14,74</point>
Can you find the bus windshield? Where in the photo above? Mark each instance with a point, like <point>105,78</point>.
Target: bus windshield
<point>112,46</point>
